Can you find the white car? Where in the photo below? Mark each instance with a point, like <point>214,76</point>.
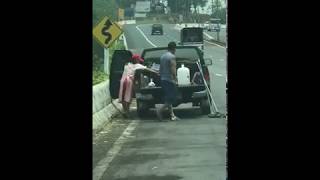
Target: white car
<point>206,25</point>
<point>214,27</point>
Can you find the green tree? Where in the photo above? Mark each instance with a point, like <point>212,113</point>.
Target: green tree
<point>125,3</point>
<point>101,8</point>
<point>183,6</point>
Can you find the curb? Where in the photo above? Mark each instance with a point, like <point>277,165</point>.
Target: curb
<point>218,42</point>
<point>211,39</point>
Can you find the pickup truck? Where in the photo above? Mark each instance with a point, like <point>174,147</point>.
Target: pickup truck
<point>147,96</point>
<point>157,28</point>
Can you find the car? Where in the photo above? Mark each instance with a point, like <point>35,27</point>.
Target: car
<point>214,24</point>
<point>147,97</point>
<point>206,25</point>
<point>157,29</point>
<point>214,27</point>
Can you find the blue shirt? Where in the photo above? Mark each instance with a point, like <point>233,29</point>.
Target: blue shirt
<point>165,66</point>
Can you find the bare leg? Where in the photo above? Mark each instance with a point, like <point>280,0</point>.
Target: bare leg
<point>125,106</point>
<point>173,117</point>
<point>171,110</point>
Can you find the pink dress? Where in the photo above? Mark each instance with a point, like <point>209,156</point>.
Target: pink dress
<point>126,82</point>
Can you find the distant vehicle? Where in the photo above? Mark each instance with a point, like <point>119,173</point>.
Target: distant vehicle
<point>214,25</point>
<point>206,25</point>
<point>192,36</point>
<point>157,29</point>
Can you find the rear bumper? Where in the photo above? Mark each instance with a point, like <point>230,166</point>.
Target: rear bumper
<point>159,32</point>
<point>181,98</point>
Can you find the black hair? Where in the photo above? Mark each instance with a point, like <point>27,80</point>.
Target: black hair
<point>172,45</point>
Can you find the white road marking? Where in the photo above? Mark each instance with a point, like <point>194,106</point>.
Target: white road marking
<point>145,37</point>
<point>207,35</point>
<point>219,75</point>
<point>103,164</point>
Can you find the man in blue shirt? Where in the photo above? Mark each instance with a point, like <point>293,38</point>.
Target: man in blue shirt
<point>168,76</point>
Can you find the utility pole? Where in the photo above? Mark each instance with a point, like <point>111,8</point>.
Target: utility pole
<point>212,8</point>
<point>177,6</point>
<point>217,6</point>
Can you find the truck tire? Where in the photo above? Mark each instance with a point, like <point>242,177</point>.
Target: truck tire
<point>142,109</point>
<point>205,106</point>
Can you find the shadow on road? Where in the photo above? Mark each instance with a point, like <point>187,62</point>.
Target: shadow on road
<point>153,177</point>
<point>183,113</point>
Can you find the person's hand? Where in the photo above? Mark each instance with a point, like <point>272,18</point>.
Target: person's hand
<point>176,81</point>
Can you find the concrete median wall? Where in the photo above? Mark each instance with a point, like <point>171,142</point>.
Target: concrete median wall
<point>102,109</point>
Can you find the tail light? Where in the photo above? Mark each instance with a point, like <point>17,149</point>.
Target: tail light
<point>206,75</point>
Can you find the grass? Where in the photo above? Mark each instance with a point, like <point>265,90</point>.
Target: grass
<point>98,77</point>
<point>98,74</point>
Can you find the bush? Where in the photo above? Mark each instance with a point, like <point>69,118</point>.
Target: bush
<point>98,66</point>
<point>101,8</point>
<point>98,77</point>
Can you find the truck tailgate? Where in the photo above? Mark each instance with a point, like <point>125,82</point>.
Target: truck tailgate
<point>181,88</point>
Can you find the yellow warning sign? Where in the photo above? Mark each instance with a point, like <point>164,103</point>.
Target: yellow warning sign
<point>106,32</point>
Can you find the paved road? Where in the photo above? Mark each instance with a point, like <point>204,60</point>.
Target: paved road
<point>144,149</point>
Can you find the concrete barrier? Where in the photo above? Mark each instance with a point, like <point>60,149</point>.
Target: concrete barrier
<point>102,109</point>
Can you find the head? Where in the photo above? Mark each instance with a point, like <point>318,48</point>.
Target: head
<point>136,58</point>
<point>172,47</point>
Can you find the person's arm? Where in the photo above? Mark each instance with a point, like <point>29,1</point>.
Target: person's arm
<point>174,70</point>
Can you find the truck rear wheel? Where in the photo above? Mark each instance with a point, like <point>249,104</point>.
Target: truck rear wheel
<point>205,106</point>
<point>142,109</point>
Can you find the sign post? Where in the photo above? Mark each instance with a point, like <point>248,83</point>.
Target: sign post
<point>106,61</point>
<point>106,32</point>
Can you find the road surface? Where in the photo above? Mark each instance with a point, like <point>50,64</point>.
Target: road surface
<point>145,149</point>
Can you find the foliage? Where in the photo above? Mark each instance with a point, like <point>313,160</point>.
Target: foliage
<point>98,66</point>
<point>101,8</point>
<point>183,6</point>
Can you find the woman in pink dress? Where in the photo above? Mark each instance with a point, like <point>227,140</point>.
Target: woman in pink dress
<point>126,83</point>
